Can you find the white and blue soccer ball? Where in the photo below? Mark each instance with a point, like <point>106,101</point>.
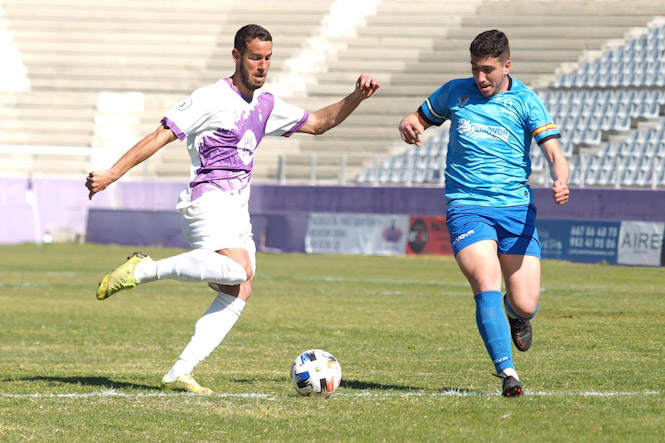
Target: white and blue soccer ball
<point>316,372</point>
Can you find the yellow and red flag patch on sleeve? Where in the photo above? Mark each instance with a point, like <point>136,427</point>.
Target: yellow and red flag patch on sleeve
<point>542,129</point>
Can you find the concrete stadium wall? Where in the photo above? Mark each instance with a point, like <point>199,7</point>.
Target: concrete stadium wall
<point>142,213</point>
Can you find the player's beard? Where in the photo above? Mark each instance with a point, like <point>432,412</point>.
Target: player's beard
<point>246,79</point>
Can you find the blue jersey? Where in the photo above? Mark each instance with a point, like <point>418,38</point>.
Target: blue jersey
<point>488,160</point>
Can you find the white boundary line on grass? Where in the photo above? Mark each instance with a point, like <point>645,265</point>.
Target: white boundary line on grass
<point>114,393</point>
<point>451,393</point>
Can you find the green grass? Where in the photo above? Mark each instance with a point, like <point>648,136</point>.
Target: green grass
<point>403,329</point>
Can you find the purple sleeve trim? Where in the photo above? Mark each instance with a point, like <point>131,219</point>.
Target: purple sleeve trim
<point>173,127</point>
<point>297,126</point>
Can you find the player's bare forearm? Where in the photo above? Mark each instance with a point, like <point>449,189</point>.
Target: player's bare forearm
<point>559,170</point>
<point>560,174</point>
<point>99,180</point>
<point>327,118</point>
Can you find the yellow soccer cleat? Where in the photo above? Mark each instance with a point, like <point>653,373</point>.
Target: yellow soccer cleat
<point>122,277</point>
<point>185,383</point>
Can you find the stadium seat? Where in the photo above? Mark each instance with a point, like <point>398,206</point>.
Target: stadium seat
<point>592,136</point>
<point>606,177</point>
<point>70,72</point>
<point>537,162</point>
<point>567,148</point>
<point>384,175</point>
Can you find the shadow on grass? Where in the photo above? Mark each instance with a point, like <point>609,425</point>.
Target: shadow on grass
<point>349,384</point>
<point>361,385</point>
<point>88,381</point>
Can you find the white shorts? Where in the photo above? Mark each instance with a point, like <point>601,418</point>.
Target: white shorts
<point>218,220</point>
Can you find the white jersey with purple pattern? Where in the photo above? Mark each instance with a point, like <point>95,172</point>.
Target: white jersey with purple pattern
<point>223,130</point>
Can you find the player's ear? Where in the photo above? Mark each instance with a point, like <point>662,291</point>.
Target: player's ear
<point>236,56</point>
<point>506,66</point>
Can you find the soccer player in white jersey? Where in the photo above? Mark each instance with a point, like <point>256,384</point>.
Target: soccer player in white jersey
<point>490,210</point>
<point>223,123</point>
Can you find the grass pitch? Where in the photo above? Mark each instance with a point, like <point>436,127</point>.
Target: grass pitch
<point>414,367</point>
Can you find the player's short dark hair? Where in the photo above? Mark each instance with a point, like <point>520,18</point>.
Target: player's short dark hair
<point>491,44</point>
<point>248,33</point>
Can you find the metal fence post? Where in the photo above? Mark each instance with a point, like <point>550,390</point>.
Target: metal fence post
<point>281,169</point>
<point>312,169</point>
<point>342,172</point>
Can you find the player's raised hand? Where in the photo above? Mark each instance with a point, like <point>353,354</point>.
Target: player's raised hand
<point>366,86</point>
<point>410,129</point>
<point>560,192</point>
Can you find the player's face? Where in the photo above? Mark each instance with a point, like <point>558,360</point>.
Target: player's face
<point>490,74</point>
<point>253,64</point>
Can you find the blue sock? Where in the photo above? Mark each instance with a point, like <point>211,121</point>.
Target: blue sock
<point>512,314</point>
<point>494,329</point>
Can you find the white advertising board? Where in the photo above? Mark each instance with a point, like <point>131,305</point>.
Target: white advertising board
<point>640,243</point>
<point>365,234</point>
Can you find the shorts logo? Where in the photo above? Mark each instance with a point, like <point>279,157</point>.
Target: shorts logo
<point>463,236</point>
<point>184,104</point>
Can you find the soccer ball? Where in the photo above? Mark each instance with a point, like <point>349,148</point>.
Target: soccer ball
<point>316,372</point>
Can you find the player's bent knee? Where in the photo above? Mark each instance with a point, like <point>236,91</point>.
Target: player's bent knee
<point>242,291</point>
<point>531,311</point>
<point>249,271</point>
<point>525,307</point>
<point>245,291</point>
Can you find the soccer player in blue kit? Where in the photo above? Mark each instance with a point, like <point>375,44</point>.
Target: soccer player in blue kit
<point>490,210</point>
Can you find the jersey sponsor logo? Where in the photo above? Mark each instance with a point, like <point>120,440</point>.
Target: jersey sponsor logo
<point>246,147</point>
<point>463,100</point>
<point>478,130</point>
<point>184,104</point>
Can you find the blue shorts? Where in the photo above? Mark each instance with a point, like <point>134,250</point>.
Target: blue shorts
<point>512,228</point>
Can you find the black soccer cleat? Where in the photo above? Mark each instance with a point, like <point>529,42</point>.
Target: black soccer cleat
<point>521,332</point>
<point>510,385</point>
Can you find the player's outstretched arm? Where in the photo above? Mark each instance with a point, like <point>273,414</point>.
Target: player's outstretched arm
<point>332,115</point>
<point>411,127</point>
<point>98,180</point>
<point>559,170</point>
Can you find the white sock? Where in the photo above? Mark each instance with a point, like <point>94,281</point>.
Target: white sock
<point>199,265</point>
<point>209,332</point>
<point>511,372</point>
